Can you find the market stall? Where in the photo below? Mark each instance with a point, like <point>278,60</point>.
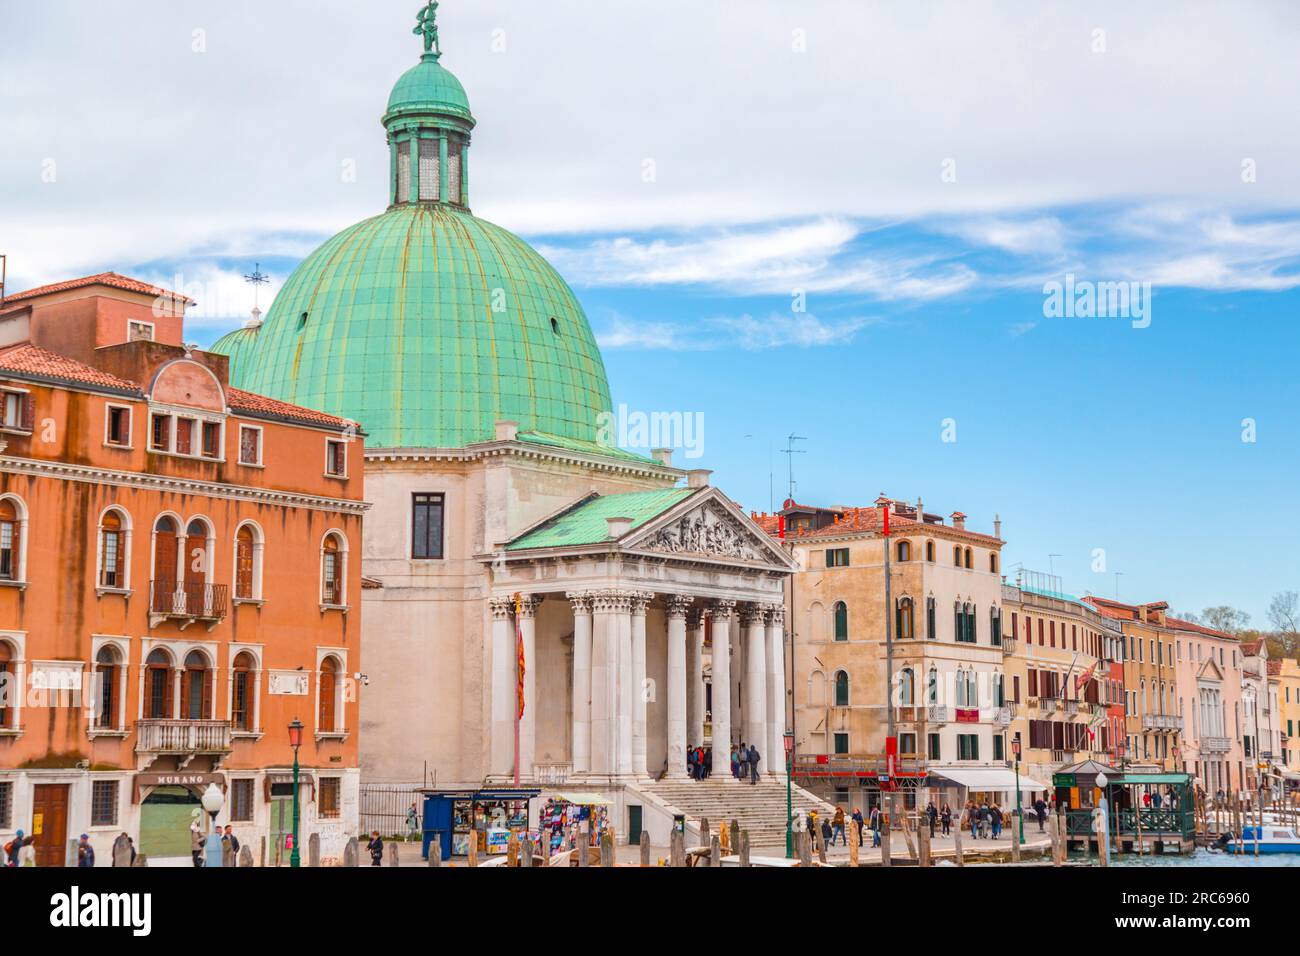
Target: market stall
<point>563,816</point>
<point>486,817</point>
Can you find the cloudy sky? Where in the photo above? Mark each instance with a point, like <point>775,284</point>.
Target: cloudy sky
<point>830,219</point>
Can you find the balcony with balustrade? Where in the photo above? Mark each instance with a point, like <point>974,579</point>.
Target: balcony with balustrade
<point>187,602</point>
<point>1161,722</point>
<point>182,739</point>
<point>1216,745</point>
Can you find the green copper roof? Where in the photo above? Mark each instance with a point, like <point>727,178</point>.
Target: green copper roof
<point>427,326</point>
<point>428,87</point>
<point>236,345</point>
<point>586,523</point>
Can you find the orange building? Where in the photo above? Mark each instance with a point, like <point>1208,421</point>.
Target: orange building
<point>179,580</point>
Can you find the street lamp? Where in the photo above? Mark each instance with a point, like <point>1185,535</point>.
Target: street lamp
<point>212,802</point>
<point>1020,813</point>
<point>295,741</point>
<point>789,797</point>
<point>1103,805</point>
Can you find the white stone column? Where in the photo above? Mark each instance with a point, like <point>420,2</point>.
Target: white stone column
<point>528,720</point>
<point>736,667</point>
<point>605,608</point>
<point>677,608</point>
<point>756,729</point>
<point>695,679</point>
<point>580,758</point>
<point>722,613</point>
<point>502,758</point>
<point>637,687</point>
<point>625,690</point>
<point>775,647</point>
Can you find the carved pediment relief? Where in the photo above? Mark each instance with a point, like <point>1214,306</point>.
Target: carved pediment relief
<point>707,530</point>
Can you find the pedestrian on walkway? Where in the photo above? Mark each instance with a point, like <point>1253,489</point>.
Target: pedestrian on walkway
<point>838,827</point>
<point>229,847</point>
<point>196,844</point>
<point>753,764</point>
<point>996,819</point>
<point>690,764</point>
<point>931,815</point>
<point>708,763</point>
<point>945,816</point>
<point>1040,811</point>
<point>858,824</point>
<point>735,763</point>
<point>828,835</point>
<point>376,847</point>
<point>875,826</point>
<point>85,852</point>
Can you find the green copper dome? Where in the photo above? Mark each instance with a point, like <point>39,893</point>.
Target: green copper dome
<point>428,326</point>
<point>428,87</point>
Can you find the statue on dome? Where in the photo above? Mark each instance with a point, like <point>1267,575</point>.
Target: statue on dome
<point>427,26</point>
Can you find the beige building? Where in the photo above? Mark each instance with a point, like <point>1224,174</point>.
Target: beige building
<point>937,686</point>
<point>1288,676</point>
<point>1064,694</point>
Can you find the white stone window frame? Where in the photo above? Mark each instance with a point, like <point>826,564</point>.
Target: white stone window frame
<point>256,652</point>
<point>18,660</point>
<point>200,417</point>
<point>341,604</point>
<point>23,393</point>
<point>339,731</point>
<point>153,330</point>
<point>209,549</point>
<point>259,549</point>
<point>19,580</point>
<point>343,444</point>
<point>261,446</point>
<point>123,647</point>
<point>126,535</point>
<point>109,408</point>
<point>179,650</point>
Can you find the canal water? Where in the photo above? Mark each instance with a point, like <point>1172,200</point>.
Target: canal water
<point>1201,857</point>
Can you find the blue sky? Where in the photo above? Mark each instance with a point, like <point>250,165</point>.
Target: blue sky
<point>915,172</point>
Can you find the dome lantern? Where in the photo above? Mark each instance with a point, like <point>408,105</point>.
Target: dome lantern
<point>429,123</point>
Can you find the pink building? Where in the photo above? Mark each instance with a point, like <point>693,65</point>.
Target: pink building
<point>1209,702</point>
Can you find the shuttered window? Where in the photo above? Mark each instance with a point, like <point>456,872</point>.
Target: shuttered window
<point>10,545</point>
<point>250,445</point>
<point>244,564</point>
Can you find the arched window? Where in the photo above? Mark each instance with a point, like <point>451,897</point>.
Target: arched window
<point>956,555</point>
<point>993,561</point>
<point>961,688</point>
<point>904,551</point>
<point>971,631</point>
<point>841,621</point>
<point>325,721</point>
<point>196,688</point>
<point>197,563</point>
<point>930,616</point>
<point>166,551</point>
<point>248,563</point>
<point>158,686</point>
<point>904,617</point>
<point>995,625</point>
<point>241,692</point>
<point>906,688</point>
<point>113,550</point>
<point>333,559</point>
<point>841,688</point>
<point>8,685</point>
<point>929,551</point>
<point>11,539</point>
<point>932,687</point>
<point>108,664</point>
<point>969,562</point>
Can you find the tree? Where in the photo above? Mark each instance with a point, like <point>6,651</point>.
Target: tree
<point>1225,618</point>
<point>1284,615</point>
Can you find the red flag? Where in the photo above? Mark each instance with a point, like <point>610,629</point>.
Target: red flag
<point>885,509</point>
<point>519,643</point>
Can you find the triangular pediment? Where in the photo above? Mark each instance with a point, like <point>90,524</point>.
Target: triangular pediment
<point>708,525</point>
<point>1209,670</point>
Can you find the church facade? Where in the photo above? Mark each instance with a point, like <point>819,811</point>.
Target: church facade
<point>540,607</point>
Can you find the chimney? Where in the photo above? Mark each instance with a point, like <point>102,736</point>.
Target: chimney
<point>618,527</point>
<point>664,456</point>
<point>507,431</point>
<point>997,527</point>
<point>698,478</point>
<point>920,511</point>
<point>958,520</point>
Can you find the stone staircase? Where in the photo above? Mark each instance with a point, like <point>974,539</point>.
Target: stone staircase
<point>758,808</point>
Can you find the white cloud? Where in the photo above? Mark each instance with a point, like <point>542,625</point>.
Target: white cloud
<point>796,330</point>
<point>1040,236</point>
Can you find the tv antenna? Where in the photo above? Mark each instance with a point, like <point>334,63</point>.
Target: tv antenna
<point>791,451</point>
<point>256,279</point>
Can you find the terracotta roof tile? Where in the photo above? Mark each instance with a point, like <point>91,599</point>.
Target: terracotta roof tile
<point>242,401</point>
<point>1274,668</point>
<point>1179,625</point>
<point>111,279</point>
<point>28,359</point>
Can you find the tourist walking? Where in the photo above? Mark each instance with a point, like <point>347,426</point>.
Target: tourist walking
<point>123,851</point>
<point>85,852</point>
<point>996,819</point>
<point>376,847</point>
<point>945,817</point>
<point>690,763</point>
<point>229,847</point>
<point>875,826</point>
<point>742,761</point>
<point>735,763</point>
<point>197,841</point>
<point>838,827</point>
<point>1040,811</point>
<point>708,763</point>
<point>753,764</point>
<point>828,835</point>
<point>931,816</point>
<point>859,823</point>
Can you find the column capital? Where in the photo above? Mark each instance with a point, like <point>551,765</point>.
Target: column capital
<point>612,600</point>
<point>679,605</point>
<point>774,613</point>
<point>721,610</point>
<point>639,600</point>
<point>580,600</point>
<point>752,614</point>
<point>501,608</point>
<point>528,605</point>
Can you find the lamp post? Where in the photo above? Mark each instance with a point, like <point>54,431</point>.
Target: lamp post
<point>789,797</point>
<point>1103,806</point>
<point>1020,813</point>
<point>295,741</point>
<point>212,802</point>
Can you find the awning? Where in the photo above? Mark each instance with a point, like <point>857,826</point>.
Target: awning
<point>583,799</point>
<point>987,778</point>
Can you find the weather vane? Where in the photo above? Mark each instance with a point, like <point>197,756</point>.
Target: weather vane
<point>427,26</point>
<point>257,278</point>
